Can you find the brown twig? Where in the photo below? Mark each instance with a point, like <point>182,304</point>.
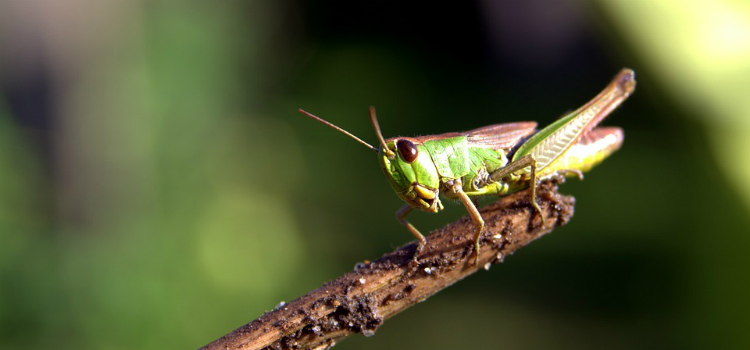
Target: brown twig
<point>361,300</point>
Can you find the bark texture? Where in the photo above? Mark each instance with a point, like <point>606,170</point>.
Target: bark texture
<point>361,300</point>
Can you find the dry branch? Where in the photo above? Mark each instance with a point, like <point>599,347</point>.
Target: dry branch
<point>361,300</point>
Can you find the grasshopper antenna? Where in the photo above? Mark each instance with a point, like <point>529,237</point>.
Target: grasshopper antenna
<point>375,124</point>
<point>339,129</point>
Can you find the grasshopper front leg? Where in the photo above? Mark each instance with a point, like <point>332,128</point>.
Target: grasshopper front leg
<point>400,216</point>
<point>523,162</point>
<point>476,217</point>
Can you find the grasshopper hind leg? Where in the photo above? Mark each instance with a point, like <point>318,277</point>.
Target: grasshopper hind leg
<point>523,162</point>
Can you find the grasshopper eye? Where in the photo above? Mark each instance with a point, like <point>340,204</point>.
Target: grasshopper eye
<point>407,150</point>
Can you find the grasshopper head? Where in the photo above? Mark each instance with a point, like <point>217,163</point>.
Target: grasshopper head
<point>411,172</point>
<point>407,165</point>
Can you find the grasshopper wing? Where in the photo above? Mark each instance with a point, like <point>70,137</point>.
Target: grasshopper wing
<point>500,136</point>
<point>497,136</point>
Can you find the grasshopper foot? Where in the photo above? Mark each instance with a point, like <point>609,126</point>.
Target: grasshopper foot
<point>538,210</point>
<point>418,252</point>
<point>476,253</point>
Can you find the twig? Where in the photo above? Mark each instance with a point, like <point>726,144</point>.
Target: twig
<point>361,300</point>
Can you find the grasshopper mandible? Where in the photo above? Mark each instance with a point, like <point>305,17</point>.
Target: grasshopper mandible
<point>496,160</point>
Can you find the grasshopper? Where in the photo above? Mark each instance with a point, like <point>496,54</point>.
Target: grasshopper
<point>495,160</point>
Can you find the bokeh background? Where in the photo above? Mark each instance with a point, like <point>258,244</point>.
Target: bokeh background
<point>158,187</point>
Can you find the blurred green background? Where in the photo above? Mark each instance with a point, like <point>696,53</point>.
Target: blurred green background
<point>158,187</point>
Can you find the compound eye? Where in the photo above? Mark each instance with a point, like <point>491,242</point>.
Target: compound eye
<point>407,150</point>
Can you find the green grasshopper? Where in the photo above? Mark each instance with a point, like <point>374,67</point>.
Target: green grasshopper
<point>496,160</point>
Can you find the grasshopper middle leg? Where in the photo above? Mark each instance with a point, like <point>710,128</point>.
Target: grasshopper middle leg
<point>476,217</point>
